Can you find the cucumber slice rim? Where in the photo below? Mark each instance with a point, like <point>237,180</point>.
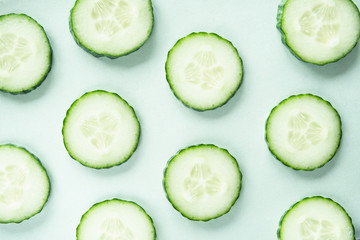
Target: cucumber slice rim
<point>186,103</point>
<point>310,198</point>
<point>173,159</point>
<point>43,169</point>
<point>104,53</point>
<point>117,200</point>
<point>46,72</point>
<point>285,162</point>
<point>108,165</point>
<point>279,18</point>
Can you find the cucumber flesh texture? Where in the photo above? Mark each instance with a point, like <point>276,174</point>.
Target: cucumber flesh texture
<point>202,182</point>
<point>304,131</point>
<point>25,53</point>
<point>111,27</point>
<point>316,218</point>
<point>116,219</point>
<point>204,70</point>
<point>320,31</point>
<point>24,184</point>
<point>101,130</point>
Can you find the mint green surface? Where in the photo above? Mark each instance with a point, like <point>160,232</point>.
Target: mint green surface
<point>271,74</point>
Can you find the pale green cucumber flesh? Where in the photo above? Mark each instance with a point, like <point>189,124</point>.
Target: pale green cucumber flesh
<point>316,218</point>
<point>202,182</point>
<point>203,70</point>
<point>24,184</point>
<point>116,219</point>
<point>319,32</point>
<point>303,132</point>
<point>25,54</point>
<point>111,28</point>
<point>101,130</point>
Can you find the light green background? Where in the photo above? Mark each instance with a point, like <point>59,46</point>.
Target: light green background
<point>272,74</point>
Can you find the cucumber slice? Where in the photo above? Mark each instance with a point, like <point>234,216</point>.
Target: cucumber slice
<point>116,219</point>
<point>204,70</point>
<point>111,28</point>
<point>319,31</point>
<point>101,130</point>
<point>25,54</point>
<point>303,132</point>
<point>202,182</point>
<point>24,184</point>
<point>316,218</point>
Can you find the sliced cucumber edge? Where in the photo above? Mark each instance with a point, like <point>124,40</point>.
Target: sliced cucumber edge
<point>37,160</point>
<point>189,105</point>
<point>47,71</point>
<point>118,200</point>
<point>279,20</point>
<point>108,165</point>
<point>173,158</point>
<point>284,162</point>
<point>104,54</point>
<point>306,198</point>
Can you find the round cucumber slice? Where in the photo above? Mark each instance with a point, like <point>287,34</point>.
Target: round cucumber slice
<point>25,54</point>
<point>319,31</point>
<point>101,130</point>
<point>316,218</point>
<point>203,70</point>
<point>24,184</point>
<point>202,182</point>
<point>111,28</point>
<point>303,132</point>
<point>116,219</point>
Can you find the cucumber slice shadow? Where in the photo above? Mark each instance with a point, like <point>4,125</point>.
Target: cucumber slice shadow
<point>27,225</point>
<point>322,171</point>
<point>331,71</point>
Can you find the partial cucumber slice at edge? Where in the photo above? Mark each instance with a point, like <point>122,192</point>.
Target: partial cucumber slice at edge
<point>327,30</point>
<point>104,53</point>
<point>44,73</point>
<point>307,228</point>
<point>14,179</point>
<point>114,224</point>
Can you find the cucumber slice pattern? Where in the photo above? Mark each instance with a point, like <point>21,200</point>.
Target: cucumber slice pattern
<point>24,184</point>
<point>25,54</point>
<point>319,31</point>
<point>303,132</point>
<point>316,218</point>
<point>204,70</point>
<point>202,182</point>
<point>111,28</point>
<point>101,130</point>
<point>116,219</point>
